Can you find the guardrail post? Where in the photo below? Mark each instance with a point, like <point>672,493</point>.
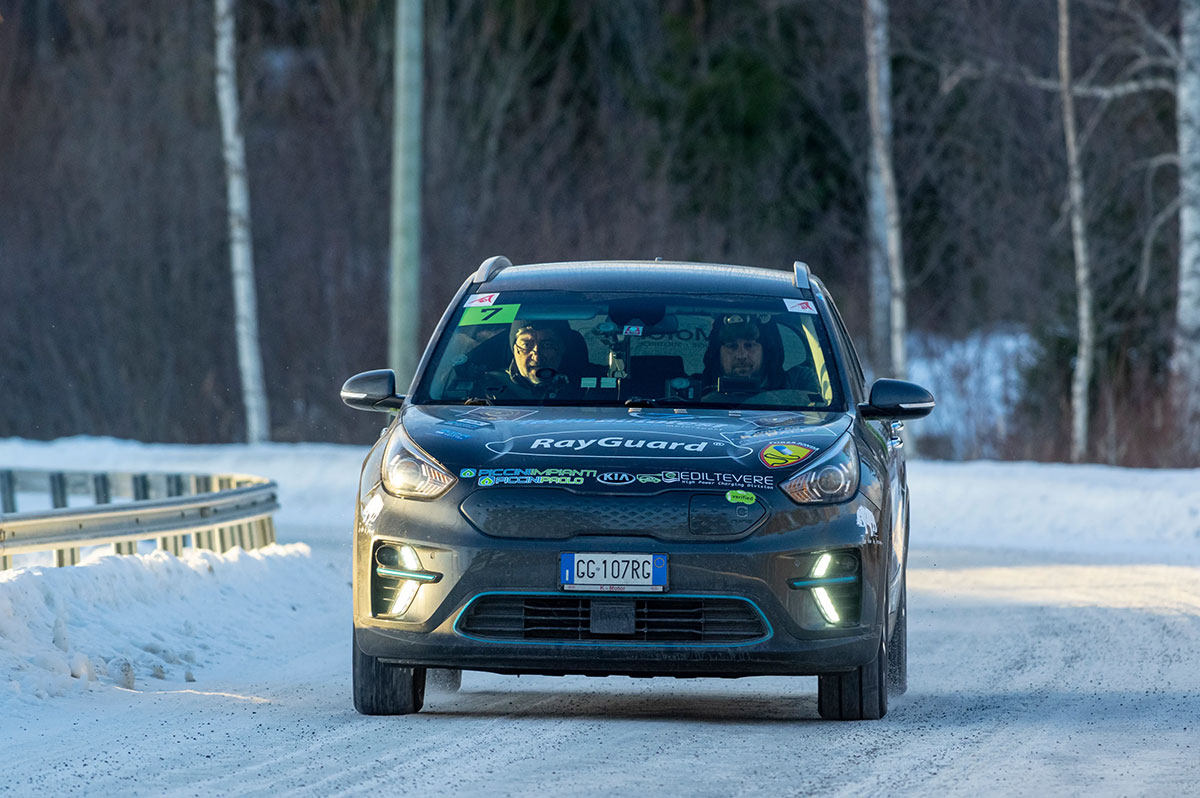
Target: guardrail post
<point>102,491</point>
<point>141,487</point>
<point>8,504</point>
<point>202,483</point>
<point>58,498</point>
<point>8,492</point>
<point>173,543</point>
<point>224,533</point>
<point>58,489</point>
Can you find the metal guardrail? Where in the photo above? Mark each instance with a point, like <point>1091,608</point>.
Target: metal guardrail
<point>215,512</point>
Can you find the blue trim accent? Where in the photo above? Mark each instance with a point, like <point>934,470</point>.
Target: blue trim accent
<point>397,573</point>
<point>606,643</point>
<point>831,580</point>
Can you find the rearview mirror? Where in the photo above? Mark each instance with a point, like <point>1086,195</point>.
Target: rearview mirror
<point>372,390</point>
<point>897,399</point>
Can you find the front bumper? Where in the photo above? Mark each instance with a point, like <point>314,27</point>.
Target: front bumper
<point>758,570</point>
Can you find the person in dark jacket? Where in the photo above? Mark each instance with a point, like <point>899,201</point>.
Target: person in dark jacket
<point>749,349</point>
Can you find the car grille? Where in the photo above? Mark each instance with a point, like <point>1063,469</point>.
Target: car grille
<point>561,514</point>
<point>656,620</point>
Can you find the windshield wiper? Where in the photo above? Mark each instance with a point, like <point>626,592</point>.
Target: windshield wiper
<point>477,400</point>
<point>664,401</point>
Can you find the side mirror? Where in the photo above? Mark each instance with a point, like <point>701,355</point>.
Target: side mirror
<point>372,390</point>
<point>897,399</point>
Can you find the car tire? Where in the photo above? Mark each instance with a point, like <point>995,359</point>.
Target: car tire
<point>443,680</point>
<point>897,661</point>
<point>386,689</point>
<point>860,694</point>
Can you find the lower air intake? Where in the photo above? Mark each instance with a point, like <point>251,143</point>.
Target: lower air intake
<point>712,621</point>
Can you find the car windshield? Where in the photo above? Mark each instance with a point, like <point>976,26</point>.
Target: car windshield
<point>631,350</point>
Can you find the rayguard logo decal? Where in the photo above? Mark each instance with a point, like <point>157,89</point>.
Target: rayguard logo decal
<point>594,444</point>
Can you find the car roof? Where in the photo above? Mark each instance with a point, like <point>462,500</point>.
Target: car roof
<point>650,276</point>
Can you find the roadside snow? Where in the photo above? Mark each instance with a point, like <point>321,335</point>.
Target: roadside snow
<point>121,621</point>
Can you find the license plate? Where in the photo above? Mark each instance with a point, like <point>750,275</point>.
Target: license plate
<point>612,572</point>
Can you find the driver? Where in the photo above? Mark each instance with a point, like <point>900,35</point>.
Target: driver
<point>538,347</point>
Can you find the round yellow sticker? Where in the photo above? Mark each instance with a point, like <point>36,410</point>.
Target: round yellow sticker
<point>778,455</point>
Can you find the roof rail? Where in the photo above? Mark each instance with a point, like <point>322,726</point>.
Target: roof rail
<point>802,274</point>
<point>491,267</point>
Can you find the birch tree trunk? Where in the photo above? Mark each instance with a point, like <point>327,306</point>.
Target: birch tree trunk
<point>404,322</point>
<point>885,206</point>
<point>241,255</point>
<point>1185,350</point>
<point>1083,279</point>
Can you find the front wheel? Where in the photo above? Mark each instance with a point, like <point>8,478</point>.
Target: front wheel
<point>385,689</point>
<point>860,694</point>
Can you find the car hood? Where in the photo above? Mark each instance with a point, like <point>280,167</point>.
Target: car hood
<point>641,449</point>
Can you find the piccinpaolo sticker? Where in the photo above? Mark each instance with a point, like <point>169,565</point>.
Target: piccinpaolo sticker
<point>778,455</point>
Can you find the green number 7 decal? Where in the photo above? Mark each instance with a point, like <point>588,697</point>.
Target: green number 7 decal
<point>494,314</point>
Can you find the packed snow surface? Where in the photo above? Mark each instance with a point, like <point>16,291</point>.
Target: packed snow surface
<point>1054,626</point>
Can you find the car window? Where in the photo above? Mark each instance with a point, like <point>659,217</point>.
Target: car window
<point>553,347</point>
<point>858,379</point>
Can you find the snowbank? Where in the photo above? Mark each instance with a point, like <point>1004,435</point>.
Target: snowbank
<point>122,621</point>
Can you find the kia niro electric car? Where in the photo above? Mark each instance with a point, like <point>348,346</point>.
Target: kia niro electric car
<point>639,468</point>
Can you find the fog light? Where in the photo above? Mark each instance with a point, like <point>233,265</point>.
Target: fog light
<point>401,565</point>
<point>833,580</point>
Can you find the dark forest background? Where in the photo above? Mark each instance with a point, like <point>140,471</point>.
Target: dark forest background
<point>717,131</point>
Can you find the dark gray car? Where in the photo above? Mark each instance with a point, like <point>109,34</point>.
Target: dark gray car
<point>638,468</point>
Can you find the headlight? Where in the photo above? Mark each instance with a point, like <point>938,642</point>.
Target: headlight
<point>832,478</point>
<point>410,473</point>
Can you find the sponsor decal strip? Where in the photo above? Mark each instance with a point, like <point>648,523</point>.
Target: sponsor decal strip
<point>488,477</point>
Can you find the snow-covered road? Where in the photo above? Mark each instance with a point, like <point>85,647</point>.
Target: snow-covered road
<point>1054,648</point>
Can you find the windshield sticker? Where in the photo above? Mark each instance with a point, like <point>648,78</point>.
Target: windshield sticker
<point>608,382</point>
<point>800,306</point>
<point>740,497</point>
<point>494,314</point>
<point>590,444</point>
<point>632,329</point>
<point>778,455</point>
<point>587,382</point>
<point>481,300</point>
